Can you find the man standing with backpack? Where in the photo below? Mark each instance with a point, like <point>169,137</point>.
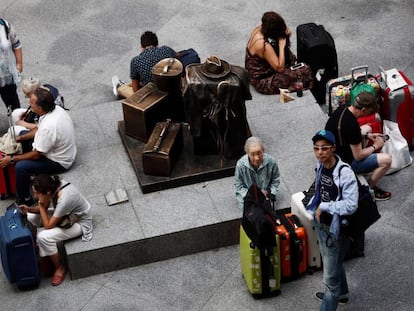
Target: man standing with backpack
<point>11,64</point>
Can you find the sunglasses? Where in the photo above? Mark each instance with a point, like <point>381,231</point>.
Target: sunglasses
<point>322,148</point>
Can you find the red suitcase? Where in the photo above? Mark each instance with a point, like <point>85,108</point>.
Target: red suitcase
<point>374,121</point>
<point>397,93</point>
<point>293,248</point>
<point>7,181</point>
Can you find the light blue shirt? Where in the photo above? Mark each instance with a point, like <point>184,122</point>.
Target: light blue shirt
<point>267,176</point>
<point>347,201</point>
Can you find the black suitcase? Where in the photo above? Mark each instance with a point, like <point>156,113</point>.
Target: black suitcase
<point>18,255</point>
<point>316,47</point>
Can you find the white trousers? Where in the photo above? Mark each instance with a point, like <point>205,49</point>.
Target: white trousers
<point>47,239</point>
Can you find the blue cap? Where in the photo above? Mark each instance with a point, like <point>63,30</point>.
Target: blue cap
<point>324,134</point>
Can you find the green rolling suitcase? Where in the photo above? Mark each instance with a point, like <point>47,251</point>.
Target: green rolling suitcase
<point>261,270</point>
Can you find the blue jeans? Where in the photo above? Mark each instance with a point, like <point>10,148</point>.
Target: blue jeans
<point>333,253</point>
<point>366,165</point>
<point>25,168</point>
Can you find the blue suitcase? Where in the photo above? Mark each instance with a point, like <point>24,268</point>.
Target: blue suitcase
<point>18,255</point>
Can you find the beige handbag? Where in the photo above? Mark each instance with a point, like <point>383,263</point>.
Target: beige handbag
<point>8,144</point>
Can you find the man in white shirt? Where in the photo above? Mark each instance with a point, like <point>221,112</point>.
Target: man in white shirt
<point>54,149</point>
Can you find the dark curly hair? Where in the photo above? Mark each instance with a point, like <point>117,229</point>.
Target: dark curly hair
<point>274,27</point>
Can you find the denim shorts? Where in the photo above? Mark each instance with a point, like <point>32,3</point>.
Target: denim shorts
<point>366,165</point>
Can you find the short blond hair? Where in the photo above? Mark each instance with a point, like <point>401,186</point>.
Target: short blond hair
<point>29,85</point>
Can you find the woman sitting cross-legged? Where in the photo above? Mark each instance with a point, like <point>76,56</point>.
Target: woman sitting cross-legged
<point>62,213</point>
<point>269,58</point>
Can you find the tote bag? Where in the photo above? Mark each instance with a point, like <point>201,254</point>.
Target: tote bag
<point>396,146</point>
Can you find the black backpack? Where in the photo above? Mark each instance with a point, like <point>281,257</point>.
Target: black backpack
<point>258,219</point>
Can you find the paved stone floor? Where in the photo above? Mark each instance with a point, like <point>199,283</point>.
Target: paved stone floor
<point>78,45</point>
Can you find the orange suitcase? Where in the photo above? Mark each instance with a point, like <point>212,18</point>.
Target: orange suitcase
<point>293,249</point>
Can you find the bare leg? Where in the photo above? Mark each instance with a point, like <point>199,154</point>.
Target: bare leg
<point>59,267</point>
<point>384,163</point>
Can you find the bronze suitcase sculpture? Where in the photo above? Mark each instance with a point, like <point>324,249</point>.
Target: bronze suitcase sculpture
<point>143,110</point>
<point>162,149</point>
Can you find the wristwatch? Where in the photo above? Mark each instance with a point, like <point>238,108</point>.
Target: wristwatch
<point>11,159</point>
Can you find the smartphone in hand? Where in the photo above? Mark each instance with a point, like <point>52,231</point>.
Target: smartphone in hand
<point>297,66</point>
<point>385,137</point>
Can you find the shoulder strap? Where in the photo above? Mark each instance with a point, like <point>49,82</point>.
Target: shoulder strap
<point>339,175</point>
<point>340,125</point>
<point>65,185</point>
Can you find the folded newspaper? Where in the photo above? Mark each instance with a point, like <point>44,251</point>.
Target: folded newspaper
<point>116,196</point>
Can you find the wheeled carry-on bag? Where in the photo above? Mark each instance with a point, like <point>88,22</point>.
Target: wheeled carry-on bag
<point>338,91</point>
<point>260,269</point>
<point>7,174</point>
<point>18,255</point>
<point>293,246</point>
<point>313,251</point>
<point>316,47</point>
<point>397,93</point>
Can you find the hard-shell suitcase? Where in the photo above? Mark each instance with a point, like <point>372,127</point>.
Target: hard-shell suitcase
<point>293,246</point>
<point>397,93</point>
<point>18,255</point>
<point>163,148</point>
<point>313,251</point>
<point>338,91</point>
<point>7,180</point>
<point>143,110</point>
<point>316,47</point>
<point>261,270</point>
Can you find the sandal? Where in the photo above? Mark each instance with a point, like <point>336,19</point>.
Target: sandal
<point>57,279</point>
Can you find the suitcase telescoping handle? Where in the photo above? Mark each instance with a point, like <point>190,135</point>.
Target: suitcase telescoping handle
<point>383,74</point>
<point>354,70</point>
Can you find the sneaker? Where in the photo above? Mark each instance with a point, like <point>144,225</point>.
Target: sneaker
<point>381,195</point>
<point>343,299</point>
<point>115,83</point>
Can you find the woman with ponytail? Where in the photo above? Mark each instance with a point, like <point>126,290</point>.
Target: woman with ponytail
<point>61,213</point>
